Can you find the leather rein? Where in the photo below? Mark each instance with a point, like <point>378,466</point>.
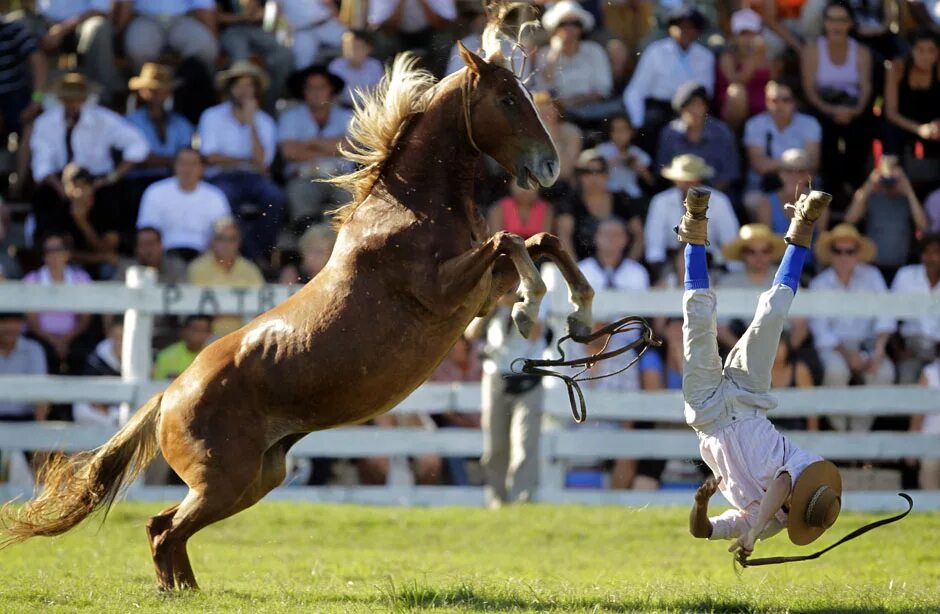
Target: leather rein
<point>544,367</point>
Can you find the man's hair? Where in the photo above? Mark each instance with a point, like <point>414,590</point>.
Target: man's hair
<point>189,149</point>
<point>931,238</point>
<point>152,229</point>
<point>197,317</point>
<point>364,36</point>
<point>224,223</point>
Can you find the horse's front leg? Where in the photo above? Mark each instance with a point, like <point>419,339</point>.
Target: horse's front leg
<point>460,275</point>
<point>580,293</point>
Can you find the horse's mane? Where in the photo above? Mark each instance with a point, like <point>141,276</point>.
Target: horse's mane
<point>381,115</point>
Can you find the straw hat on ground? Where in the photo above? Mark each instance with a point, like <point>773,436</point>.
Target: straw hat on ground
<point>688,167</point>
<point>815,502</point>
<point>72,86</point>
<point>748,235</point>
<point>866,247</point>
<point>243,68</point>
<point>153,77</point>
<point>564,10</point>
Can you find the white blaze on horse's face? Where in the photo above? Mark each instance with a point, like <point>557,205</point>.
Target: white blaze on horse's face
<point>505,124</point>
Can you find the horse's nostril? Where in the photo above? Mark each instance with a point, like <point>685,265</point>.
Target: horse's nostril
<point>550,167</point>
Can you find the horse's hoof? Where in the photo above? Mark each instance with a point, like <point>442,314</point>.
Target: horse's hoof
<point>577,328</point>
<point>524,323</point>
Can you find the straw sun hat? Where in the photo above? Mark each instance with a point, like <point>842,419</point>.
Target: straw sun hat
<point>754,233</point>
<point>244,68</point>
<point>815,502</point>
<point>688,167</point>
<point>866,247</point>
<point>153,77</point>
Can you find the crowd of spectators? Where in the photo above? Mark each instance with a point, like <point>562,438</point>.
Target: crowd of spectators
<point>186,135</point>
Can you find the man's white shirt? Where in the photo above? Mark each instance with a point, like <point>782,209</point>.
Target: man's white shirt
<point>184,219</point>
<point>664,213</point>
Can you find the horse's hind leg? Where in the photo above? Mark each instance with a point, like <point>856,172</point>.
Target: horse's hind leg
<point>198,511</point>
<point>580,293</point>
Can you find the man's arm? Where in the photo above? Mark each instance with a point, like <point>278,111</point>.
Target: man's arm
<point>699,524</point>
<point>772,501</point>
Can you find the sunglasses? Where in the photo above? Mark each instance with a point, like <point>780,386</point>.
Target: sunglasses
<point>750,251</point>
<point>569,24</point>
<point>592,171</point>
<point>782,99</point>
<point>227,238</point>
<point>837,19</point>
<point>844,252</point>
<point>54,248</point>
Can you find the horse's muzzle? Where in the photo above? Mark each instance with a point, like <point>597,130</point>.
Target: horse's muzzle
<point>538,170</point>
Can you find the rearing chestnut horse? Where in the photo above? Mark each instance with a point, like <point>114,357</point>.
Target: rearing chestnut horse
<point>413,264</point>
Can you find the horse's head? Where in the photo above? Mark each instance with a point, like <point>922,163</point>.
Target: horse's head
<point>503,123</point>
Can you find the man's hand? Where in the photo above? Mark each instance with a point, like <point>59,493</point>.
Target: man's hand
<point>744,545</point>
<point>707,490</point>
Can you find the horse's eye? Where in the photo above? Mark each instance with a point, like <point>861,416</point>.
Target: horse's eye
<point>508,101</point>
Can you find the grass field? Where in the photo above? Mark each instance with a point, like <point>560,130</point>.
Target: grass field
<point>290,557</point>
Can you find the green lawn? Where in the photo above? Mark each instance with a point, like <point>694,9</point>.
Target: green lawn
<point>289,557</point>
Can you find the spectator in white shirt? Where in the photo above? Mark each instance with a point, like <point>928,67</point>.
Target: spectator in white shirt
<point>920,335</point>
<point>185,26</point>
<point>308,136</point>
<point>183,207</point>
<point>85,133</point>
<point>686,171</point>
<point>663,67</point>
<point>356,66</point>
<point>576,72</point>
<point>314,25</point>
<point>851,346</point>
<point>610,268</point>
<point>239,141</point>
<point>419,25</point>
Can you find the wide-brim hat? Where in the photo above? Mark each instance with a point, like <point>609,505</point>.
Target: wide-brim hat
<point>815,502</point>
<point>567,8</point>
<point>72,86</point>
<point>243,68</point>
<point>688,167</point>
<point>153,77</point>
<point>866,247</point>
<point>754,233</point>
<point>297,79</point>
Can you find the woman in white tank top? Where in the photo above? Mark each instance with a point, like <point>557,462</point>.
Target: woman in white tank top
<point>837,81</point>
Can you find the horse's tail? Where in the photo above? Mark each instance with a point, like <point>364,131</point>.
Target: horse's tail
<point>75,486</point>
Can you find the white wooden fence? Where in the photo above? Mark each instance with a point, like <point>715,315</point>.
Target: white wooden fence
<point>563,444</point>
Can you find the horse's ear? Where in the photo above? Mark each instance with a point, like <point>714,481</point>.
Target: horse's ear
<point>474,62</point>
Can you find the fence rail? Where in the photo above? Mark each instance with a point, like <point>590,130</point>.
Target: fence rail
<point>141,299</point>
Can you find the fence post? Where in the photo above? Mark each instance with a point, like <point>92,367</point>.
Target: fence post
<point>138,335</point>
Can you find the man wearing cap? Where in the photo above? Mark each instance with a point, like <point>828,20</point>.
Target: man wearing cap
<point>771,483</point>
<point>694,132</point>
<point>167,132</point>
<point>576,72</point>
<point>85,133</point>
<point>851,346</point>
<point>239,141</point>
<point>685,171</point>
<point>308,136</point>
<point>663,67</point>
<point>188,27</point>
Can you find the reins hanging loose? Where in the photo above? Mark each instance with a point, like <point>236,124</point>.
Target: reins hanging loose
<point>543,367</point>
<point>777,560</point>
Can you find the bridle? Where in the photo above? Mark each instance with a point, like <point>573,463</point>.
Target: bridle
<point>465,90</point>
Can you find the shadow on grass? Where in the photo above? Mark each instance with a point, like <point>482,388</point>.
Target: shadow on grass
<point>466,597</point>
